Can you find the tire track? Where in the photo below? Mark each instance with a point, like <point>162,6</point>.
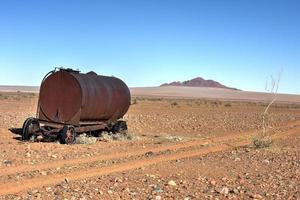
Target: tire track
<point>221,143</point>
<point>116,155</point>
<point>16,187</point>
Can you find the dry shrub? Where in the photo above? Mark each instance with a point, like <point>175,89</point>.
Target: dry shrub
<point>3,96</point>
<point>262,142</point>
<point>108,136</point>
<point>228,104</point>
<point>174,103</point>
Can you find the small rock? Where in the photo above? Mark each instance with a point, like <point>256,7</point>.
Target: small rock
<point>235,191</point>
<point>109,192</point>
<point>224,190</point>
<point>66,180</point>
<point>237,159</point>
<point>149,153</point>
<point>34,191</point>
<point>39,138</point>
<point>204,144</point>
<point>7,162</point>
<point>157,189</point>
<point>43,173</point>
<point>158,198</point>
<point>172,183</point>
<point>54,156</point>
<point>213,182</point>
<point>152,176</point>
<point>242,181</point>
<point>256,196</point>
<point>266,161</point>
<point>118,180</point>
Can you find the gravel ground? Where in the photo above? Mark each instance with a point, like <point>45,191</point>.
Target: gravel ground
<point>239,173</point>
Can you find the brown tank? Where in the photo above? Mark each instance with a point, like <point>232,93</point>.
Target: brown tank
<point>70,97</point>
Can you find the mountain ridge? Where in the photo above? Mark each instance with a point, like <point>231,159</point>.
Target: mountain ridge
<point>198,82</point>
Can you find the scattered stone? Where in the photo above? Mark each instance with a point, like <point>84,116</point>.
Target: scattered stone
<point>224,191</point>
<point>235,191</point>
<point>237,159</point>
<point>34,191</point>
<point>109,191</point>
<point>39,138</point>
<point>172,183</point>
<point>205,144</point>
<point>149,153</point>
<point>118,180</point>
<point>43,173</point>
<point>157,189</point>
<point>213,182</point>
<point>7,162</point>
<point>66,180</point>
<point>266,161</point>
<point>255,196</point>
<point>158,197</point>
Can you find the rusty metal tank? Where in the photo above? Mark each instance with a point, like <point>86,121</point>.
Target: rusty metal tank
<point>70,97</point>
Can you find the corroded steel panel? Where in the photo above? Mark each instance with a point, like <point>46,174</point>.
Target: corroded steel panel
<point>70,97</point>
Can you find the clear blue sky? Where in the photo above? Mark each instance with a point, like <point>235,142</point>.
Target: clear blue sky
<point>148,42</point>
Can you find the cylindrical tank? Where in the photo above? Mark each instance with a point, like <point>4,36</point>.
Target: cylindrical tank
<point>70,97</point>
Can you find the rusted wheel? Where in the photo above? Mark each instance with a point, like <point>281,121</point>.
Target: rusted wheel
<point>30,126</point>
<point>120,127</point>
<point>68,135</point>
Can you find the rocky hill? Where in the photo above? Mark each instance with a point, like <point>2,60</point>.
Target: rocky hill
<point>198,82</point>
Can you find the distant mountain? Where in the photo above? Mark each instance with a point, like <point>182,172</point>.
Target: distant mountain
<point>198,82</point>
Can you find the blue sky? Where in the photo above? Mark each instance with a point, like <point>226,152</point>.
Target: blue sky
<point>148,42</point>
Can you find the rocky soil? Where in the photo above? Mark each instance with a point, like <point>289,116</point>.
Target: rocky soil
<point>186,149</point>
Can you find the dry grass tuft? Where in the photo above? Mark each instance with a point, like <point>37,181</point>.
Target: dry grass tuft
<point>262,142</point>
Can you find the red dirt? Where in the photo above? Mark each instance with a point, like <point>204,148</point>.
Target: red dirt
<point>204,147</point>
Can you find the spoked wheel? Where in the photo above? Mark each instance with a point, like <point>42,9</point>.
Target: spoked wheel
<point>68,135</point>
<point>120,127</point>
<point>30,127</point>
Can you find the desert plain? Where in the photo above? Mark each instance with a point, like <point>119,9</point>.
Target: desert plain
<point>181,147</point>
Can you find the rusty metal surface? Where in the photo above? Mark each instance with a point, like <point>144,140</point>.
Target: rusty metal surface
<point>60,97</point>
<point>72,97</point>
<point>51,124</point>
<point>83,129</point>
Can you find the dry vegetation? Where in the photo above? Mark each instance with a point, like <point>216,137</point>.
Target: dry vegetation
<point>187,149</point>
<point>202,117</point>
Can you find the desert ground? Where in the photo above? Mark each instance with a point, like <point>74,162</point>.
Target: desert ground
<point>181,148</point>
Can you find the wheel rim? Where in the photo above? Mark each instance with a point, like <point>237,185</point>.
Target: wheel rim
<point>33,127</point>
<point>30,126</point>
<point>70,135</point>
